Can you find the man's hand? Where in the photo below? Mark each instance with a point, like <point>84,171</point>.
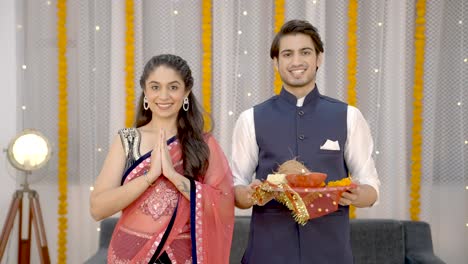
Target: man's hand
<point>243,194</point>
<point>362,196</point>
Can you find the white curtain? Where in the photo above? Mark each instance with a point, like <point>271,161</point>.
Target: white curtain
<point>243,77</point>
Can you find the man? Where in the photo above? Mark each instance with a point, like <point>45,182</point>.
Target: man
<point>325,134</point>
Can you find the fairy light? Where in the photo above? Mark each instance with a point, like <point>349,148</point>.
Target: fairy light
<point>176,12</point>
<point>460,22</point>
<point>466,142</point>
<point>49,3</point>
<point>98,229</point>
<point>239,75</point>
<point>314,2</point>
<point>91,188</point>
<point>230,113</point>
<point>24,67</point>
<point>249,94</point>
<point>377,152</point>
<point>465,60</point>
<point>97,28</point>
<point>376,70</point>
<point>244,13</point>
<point>379,24</point>
<point>459,103</point>
<point>239,32</point>
<point>99,149</point>
<point>23,107</point>
<point>245,52</point>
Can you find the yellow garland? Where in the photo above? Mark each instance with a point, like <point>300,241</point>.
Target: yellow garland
<point>352,51</point>
<point>62,130</point>
<point>279,21</point>
<point>418,87</point>
<point>352,63</point>
<point>206,61</point>
<point>129,63</point>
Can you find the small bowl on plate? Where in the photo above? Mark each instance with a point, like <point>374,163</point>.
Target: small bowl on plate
<point>306,180</point>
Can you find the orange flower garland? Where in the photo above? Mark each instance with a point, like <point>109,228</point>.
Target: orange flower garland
<point>62,131</point>
<point>352,63</point>
<point>206,61</point>
<point>352,51</point>
<point>418,88</point>
<point>279,20</point>
<point>129,63</point>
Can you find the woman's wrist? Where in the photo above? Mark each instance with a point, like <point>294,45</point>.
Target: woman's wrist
<point>172,175</point>
<point>147,179</point>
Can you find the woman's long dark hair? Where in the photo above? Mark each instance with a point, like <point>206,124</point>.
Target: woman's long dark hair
<point>195,151</point>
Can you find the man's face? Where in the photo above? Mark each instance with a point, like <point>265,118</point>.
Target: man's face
<point>297,61</point>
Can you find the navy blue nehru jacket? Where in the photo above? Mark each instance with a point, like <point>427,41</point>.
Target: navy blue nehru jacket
<point>284,131</point>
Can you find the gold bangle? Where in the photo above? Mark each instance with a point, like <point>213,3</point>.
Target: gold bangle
<point>147,180</point>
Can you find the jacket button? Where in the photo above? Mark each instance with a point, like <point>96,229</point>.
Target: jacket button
<point>301,113</point>
<point>301,137</point>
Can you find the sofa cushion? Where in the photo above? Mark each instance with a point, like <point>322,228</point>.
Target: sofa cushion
<point>107,228</point>
<point>418,243</point>
<point>377,241</point>
<point>240,238</point>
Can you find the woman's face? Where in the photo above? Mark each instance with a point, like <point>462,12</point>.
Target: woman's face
<point>165,91</point>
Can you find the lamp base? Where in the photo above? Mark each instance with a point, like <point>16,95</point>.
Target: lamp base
<point>35,217</point>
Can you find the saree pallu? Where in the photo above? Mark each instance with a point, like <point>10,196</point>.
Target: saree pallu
<point>140,229</point>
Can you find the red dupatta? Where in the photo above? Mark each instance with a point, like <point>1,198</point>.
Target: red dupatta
<point>140,229</point>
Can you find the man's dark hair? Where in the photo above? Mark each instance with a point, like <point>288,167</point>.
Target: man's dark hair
<point>295,27</point>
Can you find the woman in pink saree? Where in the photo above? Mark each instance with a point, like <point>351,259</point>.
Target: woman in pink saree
<point>177,198</point>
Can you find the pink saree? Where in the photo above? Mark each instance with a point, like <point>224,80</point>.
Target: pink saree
<point>140,229</point>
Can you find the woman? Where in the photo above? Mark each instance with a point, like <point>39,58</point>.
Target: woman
<point>177,199</point>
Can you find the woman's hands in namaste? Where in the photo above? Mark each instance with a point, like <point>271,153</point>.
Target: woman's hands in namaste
<point>161,161</point>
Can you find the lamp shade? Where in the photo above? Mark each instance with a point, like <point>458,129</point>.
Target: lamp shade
<point>29,150</point>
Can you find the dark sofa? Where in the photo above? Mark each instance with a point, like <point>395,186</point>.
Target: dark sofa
<point>372,240</point>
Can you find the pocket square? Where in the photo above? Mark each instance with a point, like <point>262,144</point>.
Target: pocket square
<point>330,145</point>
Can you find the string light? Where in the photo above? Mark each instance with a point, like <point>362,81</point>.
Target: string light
<point>98,229</point>
<point>239,32</point>
<point>380,24</point>
<point>49,3</point>
<point>376,70</point>
<point>314,2</point>
<point>466,142</point>
<point>91,188</point>
<point>97,28</point>
<point>239,75</point>
<point>460,22</point>
<point>24,67</point>
<point>23,107</point>
<point>245,52</point>
<point>466,187</point>
<point>377,152</point>
<point>459,103</point>
<point>230,113</point>
<point>176,12</point>
<point>99,149</point>
<point>249,94</point>
<point>244,13</point>
<point>465,60</point>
